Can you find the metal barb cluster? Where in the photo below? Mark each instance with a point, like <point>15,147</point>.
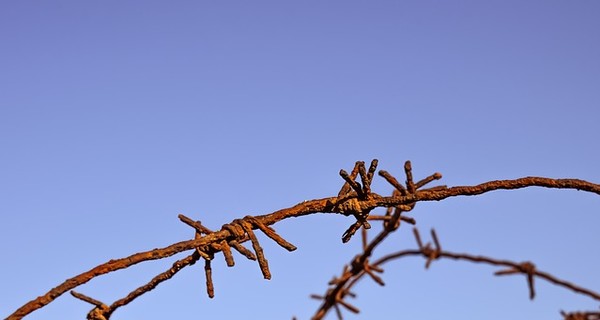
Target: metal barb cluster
<point>526,268</point>
<point>339,301</point>
<point>350,200</point>
<point>353,195</point>
<point>428,252</point>
<point>241,231</point>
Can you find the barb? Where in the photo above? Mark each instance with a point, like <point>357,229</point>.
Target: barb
<point>427,250</point>
<point>262,261</point>
<point>526,268</point>
<point>268,231</point>
<point>210,288</point>
<point>410,185</point>
<point>391,180</point>
<point>367,177</point>
<point>355,185</point>
<point>87,299</point>
<point>100,312</point>
<point>435,176</point>
<point>346,187</point>
<point>350,200</point>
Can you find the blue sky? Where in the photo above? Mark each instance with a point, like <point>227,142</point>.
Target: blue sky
<point>115,116</point>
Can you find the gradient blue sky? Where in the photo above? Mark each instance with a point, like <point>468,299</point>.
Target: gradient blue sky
<point>115,116</point>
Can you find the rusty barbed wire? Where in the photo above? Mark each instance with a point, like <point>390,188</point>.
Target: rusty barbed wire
<point>354,199</point>
<point>359,266</point>
<point>347,280</point>
<point>242,233</point>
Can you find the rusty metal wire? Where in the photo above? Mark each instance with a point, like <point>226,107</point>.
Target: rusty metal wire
<point>360,266</point>
<point>347,280</point>
<point>355,198</point>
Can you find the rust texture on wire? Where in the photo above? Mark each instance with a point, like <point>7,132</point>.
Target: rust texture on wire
<point>356,199</point>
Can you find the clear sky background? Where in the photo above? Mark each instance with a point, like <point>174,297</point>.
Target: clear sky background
<point>115,116</point>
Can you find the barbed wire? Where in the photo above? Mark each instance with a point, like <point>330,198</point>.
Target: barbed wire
<point>356,199</point>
